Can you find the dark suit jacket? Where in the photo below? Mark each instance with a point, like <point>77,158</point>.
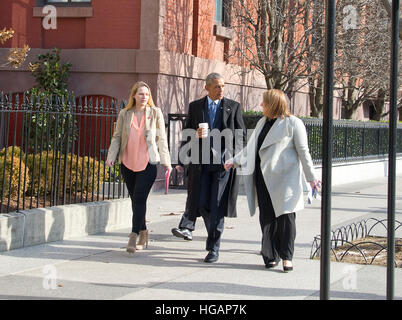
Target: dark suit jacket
<point>232,118</point>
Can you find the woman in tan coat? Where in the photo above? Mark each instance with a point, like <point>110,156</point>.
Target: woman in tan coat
<point>272,165</point>
<point>139,143</point>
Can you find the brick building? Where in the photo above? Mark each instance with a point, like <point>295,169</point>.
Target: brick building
<point>170,44</point>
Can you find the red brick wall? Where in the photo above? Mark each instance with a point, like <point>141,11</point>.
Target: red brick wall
<point>115,24</point>
<point>180,22</point>
<point>178,26</point>
<point>19,16</point>
<point>206,39</point>
<point>68,35</point>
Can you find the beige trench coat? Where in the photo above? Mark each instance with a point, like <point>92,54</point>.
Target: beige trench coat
<point>284,157</point>
<point>154,132</point>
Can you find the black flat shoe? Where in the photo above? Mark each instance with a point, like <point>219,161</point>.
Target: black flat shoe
<point>211,257</point>
<point>271,265</point>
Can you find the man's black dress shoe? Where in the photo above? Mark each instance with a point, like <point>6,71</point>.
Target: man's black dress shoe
<point>212,256</point>
<point>182,233</point>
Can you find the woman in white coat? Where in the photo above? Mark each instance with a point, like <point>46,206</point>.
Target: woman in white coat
<point>272,165</point>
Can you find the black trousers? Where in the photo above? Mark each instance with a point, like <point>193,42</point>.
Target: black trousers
<point>278,233</point>
<point>278,237</point>
<point>139,185</point>
<point>213,203</point>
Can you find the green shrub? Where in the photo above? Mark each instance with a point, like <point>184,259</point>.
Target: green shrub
<point>12,175</point>
<point>81,173</point>
<point>16,152</point>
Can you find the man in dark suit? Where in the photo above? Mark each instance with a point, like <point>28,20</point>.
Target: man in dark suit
<point>212,192</point>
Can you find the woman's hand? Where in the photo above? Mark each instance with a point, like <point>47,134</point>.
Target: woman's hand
<point>315,184</point>
<point>228,164</point>
<point>179,169</point>
<point>110,163</point>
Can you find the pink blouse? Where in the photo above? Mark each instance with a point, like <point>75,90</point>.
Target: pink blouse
<point>136,155</point>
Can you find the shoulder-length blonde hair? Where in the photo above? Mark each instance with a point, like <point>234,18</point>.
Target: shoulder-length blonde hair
<point>275,104</point>
<point>131,99</point>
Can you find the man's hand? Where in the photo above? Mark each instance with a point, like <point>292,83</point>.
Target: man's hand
<point>202,133</point>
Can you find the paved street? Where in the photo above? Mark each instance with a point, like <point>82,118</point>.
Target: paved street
<point>97,266</point>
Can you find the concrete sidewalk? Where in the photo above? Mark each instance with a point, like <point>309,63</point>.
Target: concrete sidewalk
<point>97,266</point>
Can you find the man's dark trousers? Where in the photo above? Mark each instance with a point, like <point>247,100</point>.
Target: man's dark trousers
<point>213,198</point>
<point>213,203</point>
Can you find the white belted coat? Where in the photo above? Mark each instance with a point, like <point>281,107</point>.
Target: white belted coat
<point>284,157</point>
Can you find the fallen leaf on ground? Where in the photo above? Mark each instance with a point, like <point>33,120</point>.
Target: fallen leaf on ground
<point>170,214</point>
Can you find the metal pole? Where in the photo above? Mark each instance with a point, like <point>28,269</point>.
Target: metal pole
<point>392,149</point>
<point>327,150</point>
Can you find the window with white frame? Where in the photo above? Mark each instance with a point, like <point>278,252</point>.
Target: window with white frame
<point>68,2</point>
<point>222,12</point>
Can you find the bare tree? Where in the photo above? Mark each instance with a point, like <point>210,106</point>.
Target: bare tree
<point>273,37</point>
<point>315,59</point>
<point>362,59</point>
<point>388,8</point>
<point>284,40</point>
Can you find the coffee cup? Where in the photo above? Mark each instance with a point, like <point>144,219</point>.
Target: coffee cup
<point>204,126</point>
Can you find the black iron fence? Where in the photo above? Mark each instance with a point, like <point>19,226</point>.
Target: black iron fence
<point>352,140</point>
<point>53,150</point>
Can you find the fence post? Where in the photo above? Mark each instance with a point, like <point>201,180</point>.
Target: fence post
<point>327,150</point>
<point>392,149</point>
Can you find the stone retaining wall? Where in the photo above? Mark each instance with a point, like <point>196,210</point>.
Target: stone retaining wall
<point>38,226</point>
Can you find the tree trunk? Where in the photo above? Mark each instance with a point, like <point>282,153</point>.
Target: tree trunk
<point>350,107</point>
<point>316,97</point>
<point>349,111</point>
<point>379,104</point>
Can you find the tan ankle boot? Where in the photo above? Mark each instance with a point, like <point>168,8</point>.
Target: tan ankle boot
<point>143,240</point>
<point>131,242</point>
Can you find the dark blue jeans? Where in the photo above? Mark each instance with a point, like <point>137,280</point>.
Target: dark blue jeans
<point>139,185</point>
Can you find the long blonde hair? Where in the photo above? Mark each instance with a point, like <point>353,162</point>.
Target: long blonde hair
<point>275,104</point>
<point>131,99</point>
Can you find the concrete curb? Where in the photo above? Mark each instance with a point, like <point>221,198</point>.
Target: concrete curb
<point>37,226</point>
<point>360,171</point>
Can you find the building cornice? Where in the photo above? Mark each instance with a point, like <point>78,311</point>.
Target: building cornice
<point>66,12</point>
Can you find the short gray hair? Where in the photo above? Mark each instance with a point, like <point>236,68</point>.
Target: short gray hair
<point>211,77</point>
